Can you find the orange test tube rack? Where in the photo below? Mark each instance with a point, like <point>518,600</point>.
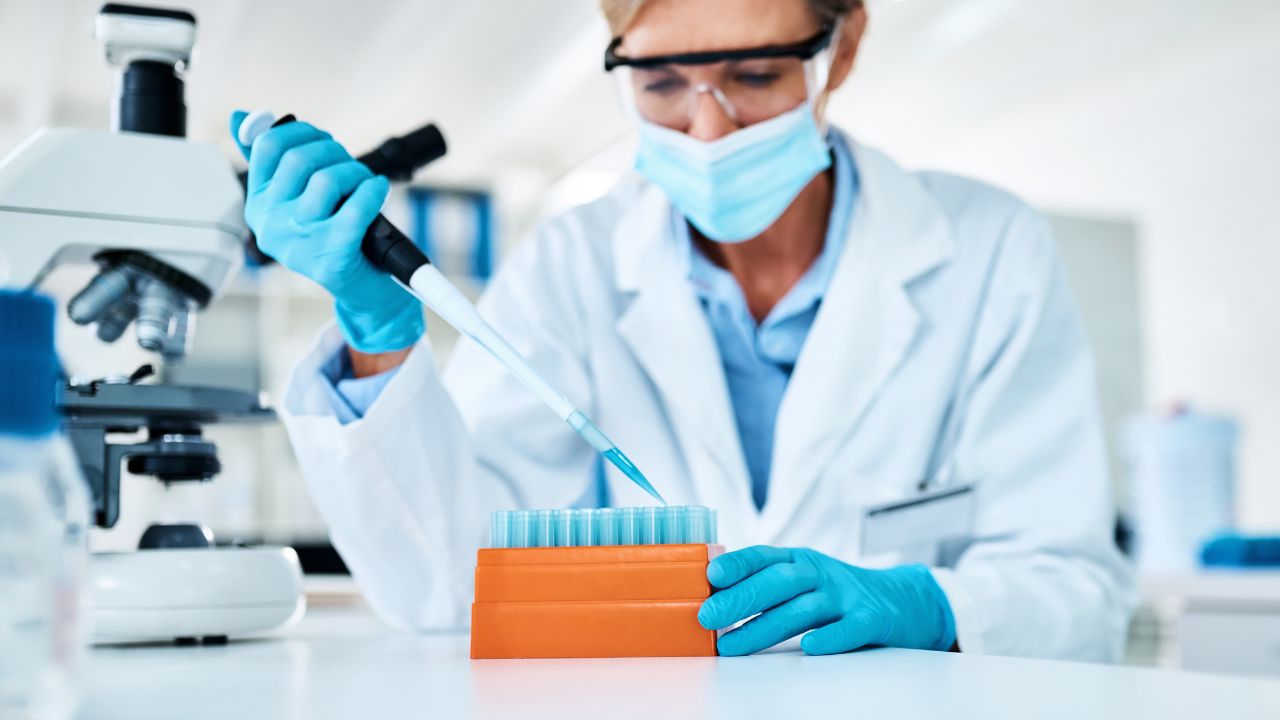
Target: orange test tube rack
<point>591,602</point>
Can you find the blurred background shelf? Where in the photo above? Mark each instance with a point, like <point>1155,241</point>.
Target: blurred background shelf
<point>1225,622</point>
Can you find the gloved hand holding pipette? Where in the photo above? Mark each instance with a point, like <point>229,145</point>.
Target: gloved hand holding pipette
<point>316,211</point>
<point>296,207</point>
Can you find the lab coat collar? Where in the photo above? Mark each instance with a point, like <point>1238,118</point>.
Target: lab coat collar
<point>864,328</point>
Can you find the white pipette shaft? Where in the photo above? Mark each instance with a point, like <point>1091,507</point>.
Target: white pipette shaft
<point>437,293</point>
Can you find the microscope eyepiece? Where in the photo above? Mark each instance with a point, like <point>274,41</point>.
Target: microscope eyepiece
<point>153,45</point>
<point>151,100</point>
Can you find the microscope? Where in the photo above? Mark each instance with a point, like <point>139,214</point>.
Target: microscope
<point>161,219</point>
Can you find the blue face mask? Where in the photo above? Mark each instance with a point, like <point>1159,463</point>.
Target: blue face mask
<point>733,188</point>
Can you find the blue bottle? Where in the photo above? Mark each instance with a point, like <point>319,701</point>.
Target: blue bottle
<point>44,518</point>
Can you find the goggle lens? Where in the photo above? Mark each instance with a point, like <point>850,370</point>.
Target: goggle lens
<point>750,91</point>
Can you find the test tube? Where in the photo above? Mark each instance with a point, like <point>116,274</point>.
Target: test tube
<point>583,527</point>
<point>562,530</point>
<point>628,526</point>
<point>520,532</point>
<point>650,526</point>
<point>673,520</point>
<point>699,530</point>
<point>713,525</point>
<point>543,529</point>
<point>499,527</point>
<point>606,522</point>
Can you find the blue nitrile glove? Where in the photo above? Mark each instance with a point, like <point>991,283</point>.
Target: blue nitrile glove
<point>843,607</point>
<point>298,177</point>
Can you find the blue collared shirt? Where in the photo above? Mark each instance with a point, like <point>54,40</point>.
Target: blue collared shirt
<point>757,359</point>
<point>351,396</point>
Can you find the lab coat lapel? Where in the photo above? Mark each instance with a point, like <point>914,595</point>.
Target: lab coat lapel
<point>666,330</point>
<point>865,326</point>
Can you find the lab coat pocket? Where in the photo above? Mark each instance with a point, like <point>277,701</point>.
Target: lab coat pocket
<point>856,493</point>
<point>905,525</point>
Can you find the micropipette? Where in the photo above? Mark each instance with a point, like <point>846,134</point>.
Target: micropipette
<point>392,251</point>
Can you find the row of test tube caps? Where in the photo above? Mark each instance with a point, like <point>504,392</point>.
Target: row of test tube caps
<point>693,524</point>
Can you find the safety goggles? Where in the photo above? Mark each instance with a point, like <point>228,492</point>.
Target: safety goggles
<point>751,85</point>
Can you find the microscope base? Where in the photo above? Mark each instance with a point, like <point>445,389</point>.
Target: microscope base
<point>163,595</point>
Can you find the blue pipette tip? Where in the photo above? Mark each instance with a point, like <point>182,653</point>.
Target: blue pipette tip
<point>623,463</point>
<point>596,438</point>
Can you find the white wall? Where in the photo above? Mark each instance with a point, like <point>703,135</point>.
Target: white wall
<point>1164,112</point>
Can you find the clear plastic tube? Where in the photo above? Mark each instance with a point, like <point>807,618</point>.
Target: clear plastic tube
<point>499,529</point>
<point>562,533</point>
<point>650,526</point>
<point>544,529</point>
<point>606,520</point>
<point>584,528</point>
<point>674,520</point>
<point>628,526</point>
<point>699,521</point>
<point>521,530</point>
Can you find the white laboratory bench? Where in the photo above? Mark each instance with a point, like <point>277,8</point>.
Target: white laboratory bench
<point>340,662</point>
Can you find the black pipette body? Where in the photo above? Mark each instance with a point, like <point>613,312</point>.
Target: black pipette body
<point>384,244</point>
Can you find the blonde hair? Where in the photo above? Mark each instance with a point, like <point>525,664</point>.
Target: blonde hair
<point>620,13</point>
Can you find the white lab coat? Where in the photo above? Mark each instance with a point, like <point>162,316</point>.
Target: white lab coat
<point>947,346</point>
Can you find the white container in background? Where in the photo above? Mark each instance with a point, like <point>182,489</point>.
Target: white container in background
<point>1182,480</point>
<point>44,516</point>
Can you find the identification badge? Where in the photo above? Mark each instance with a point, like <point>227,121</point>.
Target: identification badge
<point>927,518</point>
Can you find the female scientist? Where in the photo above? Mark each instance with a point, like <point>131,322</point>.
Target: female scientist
<point>876,376</point>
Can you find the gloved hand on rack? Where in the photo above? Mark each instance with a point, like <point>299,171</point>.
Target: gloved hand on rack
<point>298,179</point>
<point>842,607</point>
